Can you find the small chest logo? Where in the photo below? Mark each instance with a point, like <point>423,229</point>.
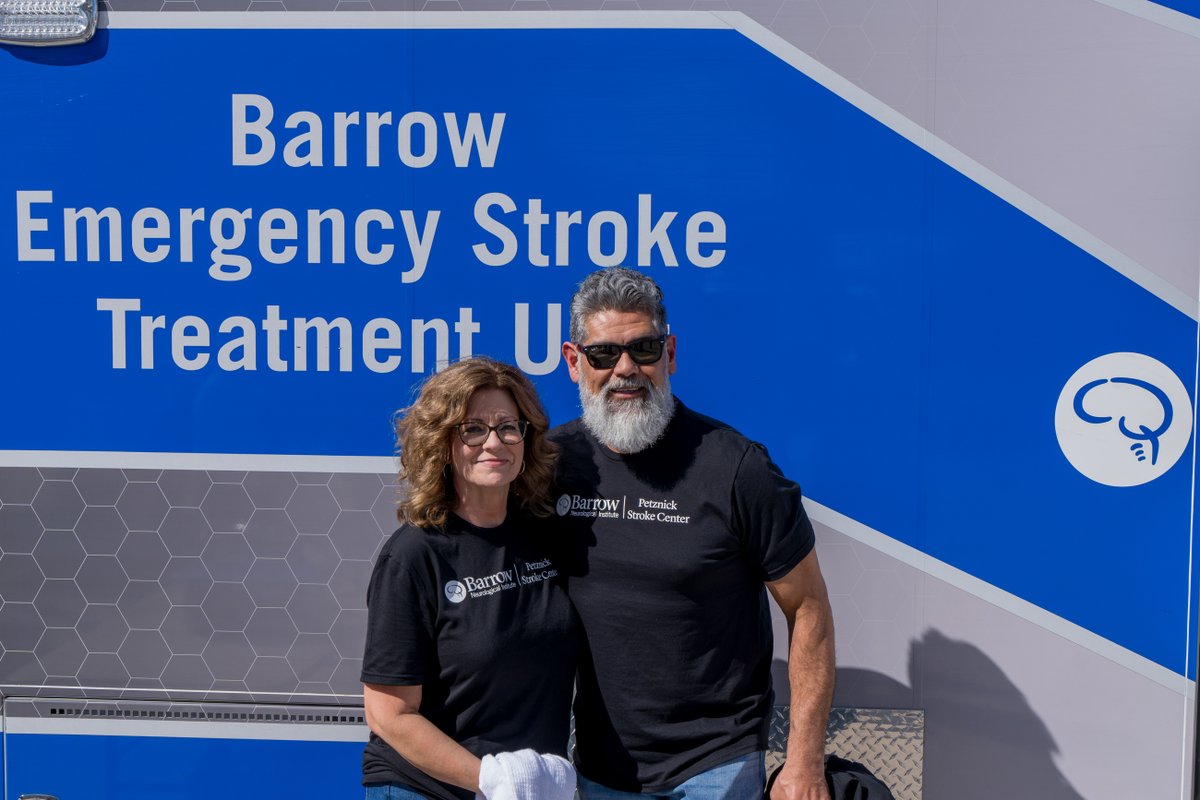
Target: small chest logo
<point>579,506</point>
<point>455,592</point>
<point>639,509</point>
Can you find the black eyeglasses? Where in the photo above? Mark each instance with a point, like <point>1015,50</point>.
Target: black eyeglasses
<point>475,433</point>
<point>642,351</point>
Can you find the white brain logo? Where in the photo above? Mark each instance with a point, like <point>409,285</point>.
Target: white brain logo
<point>1123,419</point>
<point>563,505</point>
<point>455,592</point>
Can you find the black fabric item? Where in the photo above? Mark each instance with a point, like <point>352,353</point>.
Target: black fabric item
<point>666,553</point>
<point>496,667</point>
<point>847,780</point>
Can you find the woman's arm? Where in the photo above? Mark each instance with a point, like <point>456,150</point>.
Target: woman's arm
<point>393,714</point>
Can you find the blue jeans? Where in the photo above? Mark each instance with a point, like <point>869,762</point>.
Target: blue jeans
<point>392,791</point>
<point>740,779</point>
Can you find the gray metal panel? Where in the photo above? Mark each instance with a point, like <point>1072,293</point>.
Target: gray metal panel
<point>889,742</point>
<point>187,585</point>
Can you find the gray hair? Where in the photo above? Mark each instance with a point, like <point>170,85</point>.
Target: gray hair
<point>616,289</point>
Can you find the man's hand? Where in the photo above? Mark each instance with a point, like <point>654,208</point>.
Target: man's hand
<point>793,785</point>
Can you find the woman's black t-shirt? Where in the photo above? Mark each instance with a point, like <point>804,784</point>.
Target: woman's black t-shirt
<point>479,619</point>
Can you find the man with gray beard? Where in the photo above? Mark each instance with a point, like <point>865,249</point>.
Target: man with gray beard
<point>673,524</point>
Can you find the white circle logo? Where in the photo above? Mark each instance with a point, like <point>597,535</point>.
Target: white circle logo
<point>563,505</point>
<point>1123,419</point>
<point>455,592</point>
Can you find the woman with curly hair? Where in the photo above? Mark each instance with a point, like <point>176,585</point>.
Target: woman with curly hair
<point>469,661</point>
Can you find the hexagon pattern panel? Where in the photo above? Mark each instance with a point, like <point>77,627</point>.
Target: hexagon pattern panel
<point>198,585</point>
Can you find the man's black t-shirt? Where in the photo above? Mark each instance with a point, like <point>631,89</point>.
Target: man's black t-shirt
<point>479,619</point>
<point>666,553</point>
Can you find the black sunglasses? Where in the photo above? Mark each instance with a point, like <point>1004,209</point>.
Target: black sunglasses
<point>642,351</point>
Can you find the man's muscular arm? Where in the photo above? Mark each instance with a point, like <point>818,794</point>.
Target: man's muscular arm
<point>802,597</point>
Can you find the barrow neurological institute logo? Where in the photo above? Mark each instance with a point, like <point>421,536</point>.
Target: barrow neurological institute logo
<point>455,592</point>
<point>1123,419</point>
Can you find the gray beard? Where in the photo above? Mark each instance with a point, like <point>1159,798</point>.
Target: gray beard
<point>628,426</point>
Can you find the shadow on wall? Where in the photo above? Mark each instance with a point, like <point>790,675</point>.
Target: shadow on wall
<point>982,739</point>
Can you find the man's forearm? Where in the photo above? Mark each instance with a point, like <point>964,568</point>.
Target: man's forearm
<point>804,601</point>
<point>811,678</point>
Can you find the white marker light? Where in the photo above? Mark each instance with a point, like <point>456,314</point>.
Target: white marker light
<point>47,22</point>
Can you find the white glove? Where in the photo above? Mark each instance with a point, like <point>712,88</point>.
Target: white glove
<point>526,775</point>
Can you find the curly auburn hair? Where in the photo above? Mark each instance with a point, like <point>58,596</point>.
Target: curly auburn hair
<point>424,431</point>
